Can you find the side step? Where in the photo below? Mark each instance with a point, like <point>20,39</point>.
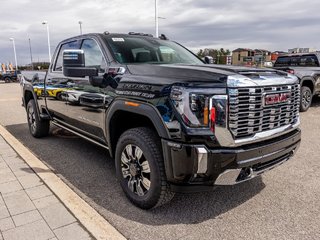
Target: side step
<point>45,116</point>
<point>79,134</point>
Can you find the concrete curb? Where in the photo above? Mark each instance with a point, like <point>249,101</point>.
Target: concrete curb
<point>89,218</point>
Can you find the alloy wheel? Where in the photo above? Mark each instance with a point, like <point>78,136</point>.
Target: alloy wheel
<point>32,119</point>
<point>306,99</point>
<point>135,169</point>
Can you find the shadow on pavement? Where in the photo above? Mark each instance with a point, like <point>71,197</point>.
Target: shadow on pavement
<point>315,101</point>
<point>90,169</point>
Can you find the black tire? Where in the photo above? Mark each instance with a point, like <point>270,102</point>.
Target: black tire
<point>306,98</point>
<point>142,169</point>
<point>37,127</point>
<point>7,79</point>
<point>59,96</point>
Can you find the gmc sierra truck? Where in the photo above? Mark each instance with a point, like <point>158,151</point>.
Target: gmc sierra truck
<point>306,67</point>
<point>171,122</point>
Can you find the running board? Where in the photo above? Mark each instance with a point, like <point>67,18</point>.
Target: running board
<point>79,134</point>
<point>45,116</point>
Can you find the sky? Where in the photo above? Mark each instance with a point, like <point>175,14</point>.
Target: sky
<point>196,24</point>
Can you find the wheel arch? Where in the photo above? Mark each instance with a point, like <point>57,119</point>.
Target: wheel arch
<point>122,116</point>
<point>308,82</point>
<point>28,95</point>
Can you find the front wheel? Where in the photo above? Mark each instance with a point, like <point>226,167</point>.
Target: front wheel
<point>140,168</point>
<point>37,127</point>
<point>306,98</point>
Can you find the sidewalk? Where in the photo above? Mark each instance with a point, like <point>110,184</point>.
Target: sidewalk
<point>28,209</point>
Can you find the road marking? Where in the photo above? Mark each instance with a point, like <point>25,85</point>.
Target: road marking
<point>99,227</point>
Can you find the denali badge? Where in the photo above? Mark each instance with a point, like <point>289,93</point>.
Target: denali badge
<point>276,98</point>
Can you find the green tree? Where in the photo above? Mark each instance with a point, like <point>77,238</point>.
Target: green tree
<point>219,55</point>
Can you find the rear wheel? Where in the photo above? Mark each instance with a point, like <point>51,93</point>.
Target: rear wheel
<point>7,79</point>
<point>306,98</point>
<point>140,168</point>
<point>59,96</point>
<point>37,127</point>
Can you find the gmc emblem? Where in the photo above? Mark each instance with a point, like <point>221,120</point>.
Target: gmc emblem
<point>270,99</point>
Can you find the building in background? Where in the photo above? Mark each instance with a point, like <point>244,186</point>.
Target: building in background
<point>301,50</point>
<point>250,57</point>
<point>243,56</point>
<point>262,58</point>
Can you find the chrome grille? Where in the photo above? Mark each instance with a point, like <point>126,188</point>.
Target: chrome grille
<point>249,115</point>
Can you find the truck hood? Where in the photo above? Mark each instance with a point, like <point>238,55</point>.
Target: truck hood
<point>174,73</point>
<point>223,75</point>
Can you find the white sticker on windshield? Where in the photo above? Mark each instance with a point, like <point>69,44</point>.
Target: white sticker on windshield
<point>118,39</point>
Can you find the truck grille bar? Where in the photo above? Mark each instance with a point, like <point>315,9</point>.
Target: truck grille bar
<point>249,113</point>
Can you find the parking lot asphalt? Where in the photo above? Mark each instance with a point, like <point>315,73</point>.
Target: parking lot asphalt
<point>282,204</point>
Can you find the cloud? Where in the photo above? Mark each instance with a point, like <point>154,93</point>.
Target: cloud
<point>272,24</point>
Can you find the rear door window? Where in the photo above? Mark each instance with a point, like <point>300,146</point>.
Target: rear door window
<point>295,61</point>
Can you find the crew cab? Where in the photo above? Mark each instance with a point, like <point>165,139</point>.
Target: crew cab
<point>171,122</point>
<point>306,67</point>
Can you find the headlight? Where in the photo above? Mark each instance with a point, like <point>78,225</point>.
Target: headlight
<point>193,106</point>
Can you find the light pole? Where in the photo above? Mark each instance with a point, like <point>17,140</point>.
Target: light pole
<point>46,23</point>
<point>156,18</point>
<point>30,54</point>
<point>14,51</point>
<point>80,23</point>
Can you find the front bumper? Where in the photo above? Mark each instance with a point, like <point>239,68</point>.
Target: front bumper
<point>196,165</point>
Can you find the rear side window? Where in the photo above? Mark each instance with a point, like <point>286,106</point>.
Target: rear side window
<point>300,61</point>
<point>309,61</point>
<point>69,45</point>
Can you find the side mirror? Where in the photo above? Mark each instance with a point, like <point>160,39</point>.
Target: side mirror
<point>208,60</point>
<point>74,64</point>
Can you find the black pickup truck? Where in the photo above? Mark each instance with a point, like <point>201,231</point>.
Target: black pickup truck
<point>172,122</point>
<point>306,67</point>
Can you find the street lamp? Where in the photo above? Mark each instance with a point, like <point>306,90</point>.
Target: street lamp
<point>46,23</point>
<point>80,22</point>
<point>30,54</point>
<point>157,18</point>
<point>14,51</point>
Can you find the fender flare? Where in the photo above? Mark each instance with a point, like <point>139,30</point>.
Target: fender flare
<point>29,88</point>
<point>308,79</point>
<point>142,108</point>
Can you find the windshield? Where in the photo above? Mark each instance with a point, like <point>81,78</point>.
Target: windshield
<point>139,50</point>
